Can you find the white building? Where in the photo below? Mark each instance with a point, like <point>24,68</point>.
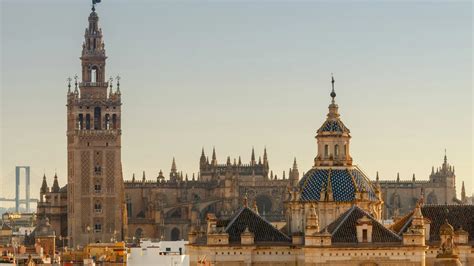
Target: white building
<point>159,253</point>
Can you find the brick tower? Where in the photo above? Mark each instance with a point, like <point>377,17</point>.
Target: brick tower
<point>95,184</point>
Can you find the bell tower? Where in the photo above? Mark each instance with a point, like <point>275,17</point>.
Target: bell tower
<point>95,185</point>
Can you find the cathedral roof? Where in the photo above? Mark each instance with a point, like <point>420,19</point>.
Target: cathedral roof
<point>263,231</point>
<point>459,216</point>
<point>344,182</point>
<point>343,229</point>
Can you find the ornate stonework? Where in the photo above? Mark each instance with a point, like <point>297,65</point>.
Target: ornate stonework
<point>95,185</point>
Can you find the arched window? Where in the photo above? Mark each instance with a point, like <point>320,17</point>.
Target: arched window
<point>264,204</point>
<point>336,150</point>
<point>97,207</point>
<point>345,149</point>
<point>114,121</point>
<point>175,234</point>
<point>97,187</point>
<point>88,121</point>
<point>94,73</point>
<point>80,121</point>
<point>326,150</point>
<point>107,122</point>
<point>97,118</point>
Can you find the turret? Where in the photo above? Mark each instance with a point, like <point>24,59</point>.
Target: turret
<point>174,171</point>
<point>333,138</point>
<point>55,188</point>
<point>202,160</point>
<point>252,158</point>
<point>463,194</point>
<point>44,186</point>
<point>265,158</point>
<point>294,174</point>
<point>214,157</point>
<point>160,178</point>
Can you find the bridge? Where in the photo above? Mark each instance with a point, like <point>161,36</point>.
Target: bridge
<point>17,199</point>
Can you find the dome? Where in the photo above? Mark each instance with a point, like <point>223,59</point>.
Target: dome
<point>344,183</point>
<point>333,126</point>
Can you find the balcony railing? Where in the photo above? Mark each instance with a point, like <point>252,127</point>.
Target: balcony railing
<point>94,84</point>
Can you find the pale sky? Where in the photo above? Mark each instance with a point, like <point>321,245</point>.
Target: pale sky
<point>237,74</point>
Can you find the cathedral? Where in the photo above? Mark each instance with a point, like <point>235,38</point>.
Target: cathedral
<point>231,201</point>
<point>334,217</point>
<point>400,196</point>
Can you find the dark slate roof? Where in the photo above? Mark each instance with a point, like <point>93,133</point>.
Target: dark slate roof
<point>331,125</point>
<point>263,231</point>
<point>344,182</point>
<point>343,229</point>
<point>459,216</point>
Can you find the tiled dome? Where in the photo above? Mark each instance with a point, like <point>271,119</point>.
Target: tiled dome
<point>333,125</point>
<point>344,181</point>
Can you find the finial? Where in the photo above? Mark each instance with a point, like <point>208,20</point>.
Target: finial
<point>69,79</point>
<point>118,83</point>
<point>377,176</point>
<point>445,157</point>
<point>75,83</point>
<point>252,157</point>
<point>333,93</point>
<point>255,207</point>
<point>245,200</point>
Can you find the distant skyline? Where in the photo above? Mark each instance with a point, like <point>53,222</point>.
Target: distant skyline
<point>237,75</point>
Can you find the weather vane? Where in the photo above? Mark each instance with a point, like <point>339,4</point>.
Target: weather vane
<point>93,4</point>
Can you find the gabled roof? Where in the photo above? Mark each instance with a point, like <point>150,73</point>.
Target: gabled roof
<point>263,231</point>
<point>459,216</point>
<point>343,229</point>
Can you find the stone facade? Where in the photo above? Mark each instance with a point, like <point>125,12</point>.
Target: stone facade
<point>165,209</point>
<point>334,218</point>
<point>95,204</point>
<point>400,196</point>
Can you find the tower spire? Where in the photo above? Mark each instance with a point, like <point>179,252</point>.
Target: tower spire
<point>445,157</point>
<point>214,157</point>
<point>69,79</point>
<point>252,157</point>
<point>265,157</point>
<point>173,166</point>
<point>463,193</point>
<point>44,185</point>
<point>118,84</point>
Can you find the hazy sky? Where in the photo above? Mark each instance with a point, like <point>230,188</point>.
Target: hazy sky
<point>239,74</point>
